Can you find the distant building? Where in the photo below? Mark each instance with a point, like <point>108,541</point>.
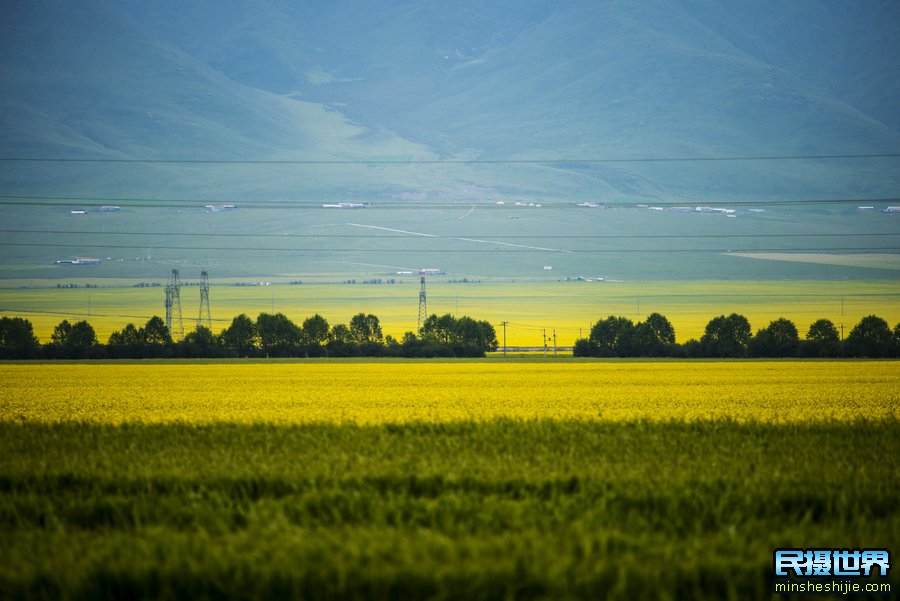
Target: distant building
<point>219,208</point>
<point>78,212</point>
<point>715,210</point>
<point>79,261</point>
<point>346,205</point>
<point>110,208</point>
<point>892,210</point>
<point>430,271</point>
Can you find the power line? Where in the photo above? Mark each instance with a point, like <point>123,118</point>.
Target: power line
<point>449,237</point>
<point>94,314</point>
<point>403,162</point>
<point>451,250</point>
<point>199,203</point>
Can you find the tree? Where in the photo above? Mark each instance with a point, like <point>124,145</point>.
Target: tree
<point>17,339</point>
<point>200,343</point>
<point>871,337</point>
<point>315,330</point>
<point>653,337</point>
<point>340,333</point>
<point>471,337</point>
<point>129,342</point>
<point>61,333</point>
<point>73,340</point>
<point>156,332</point>
<point>437,329</point>
<point>612,336</point>
<point>450,336</point>
<point>128,336</point>
<point>584,348</point>
<point>365,328</point>
<point>822,340</point>
<point>240,337</point>
<point>277,334</point>
<point>778,339</point>
<point>726,336</point>
<point>340,343</point>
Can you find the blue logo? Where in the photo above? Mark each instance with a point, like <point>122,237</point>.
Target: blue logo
<point>832,562</point>
<point>830,571</point>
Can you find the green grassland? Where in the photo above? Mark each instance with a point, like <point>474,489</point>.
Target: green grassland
<point>569,307</point>
<point>501,509</point>
<point>482,240</point>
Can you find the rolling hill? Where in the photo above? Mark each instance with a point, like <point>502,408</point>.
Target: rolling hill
<point>419,79</point>
<point>474,130</point>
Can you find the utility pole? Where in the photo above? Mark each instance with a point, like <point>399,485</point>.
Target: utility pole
<point>423,306</point>
<point>555,346</point>
<point>504,324</point>
<point>544,334</point>
<point>205,319</point>
<point>173,307</point>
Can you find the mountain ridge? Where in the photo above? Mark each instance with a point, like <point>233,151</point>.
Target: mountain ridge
<point>245,79</point>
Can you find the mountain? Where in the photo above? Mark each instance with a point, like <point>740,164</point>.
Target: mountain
<point>423,79</point>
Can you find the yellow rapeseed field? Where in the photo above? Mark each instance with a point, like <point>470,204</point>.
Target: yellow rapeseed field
<point>571,308</point>
<point>401,392</point>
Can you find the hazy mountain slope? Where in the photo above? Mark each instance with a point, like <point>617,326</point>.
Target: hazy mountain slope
<point>579,79</point>
<point>846,48</point>
<point>118,89</point>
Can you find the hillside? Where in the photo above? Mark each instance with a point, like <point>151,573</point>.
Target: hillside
<point>419,79</point>
<point>473,130</point>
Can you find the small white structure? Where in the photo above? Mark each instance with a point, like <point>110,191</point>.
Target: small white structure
<point>79,261</point>
<point>219,208</point>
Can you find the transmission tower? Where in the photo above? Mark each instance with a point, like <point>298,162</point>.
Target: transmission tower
<point>423,308</point>
<point>173,307</point>
<point>205,318</point>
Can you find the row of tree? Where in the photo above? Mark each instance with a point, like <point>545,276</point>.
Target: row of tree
<point>270,335</point>
<point>731,336</point>
<point>274,335</point>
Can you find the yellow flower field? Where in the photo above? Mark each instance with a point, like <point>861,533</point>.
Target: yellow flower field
<point>402,392</point>
<point>570,308</point>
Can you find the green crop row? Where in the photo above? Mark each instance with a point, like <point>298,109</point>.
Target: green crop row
<point>489,510</point>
